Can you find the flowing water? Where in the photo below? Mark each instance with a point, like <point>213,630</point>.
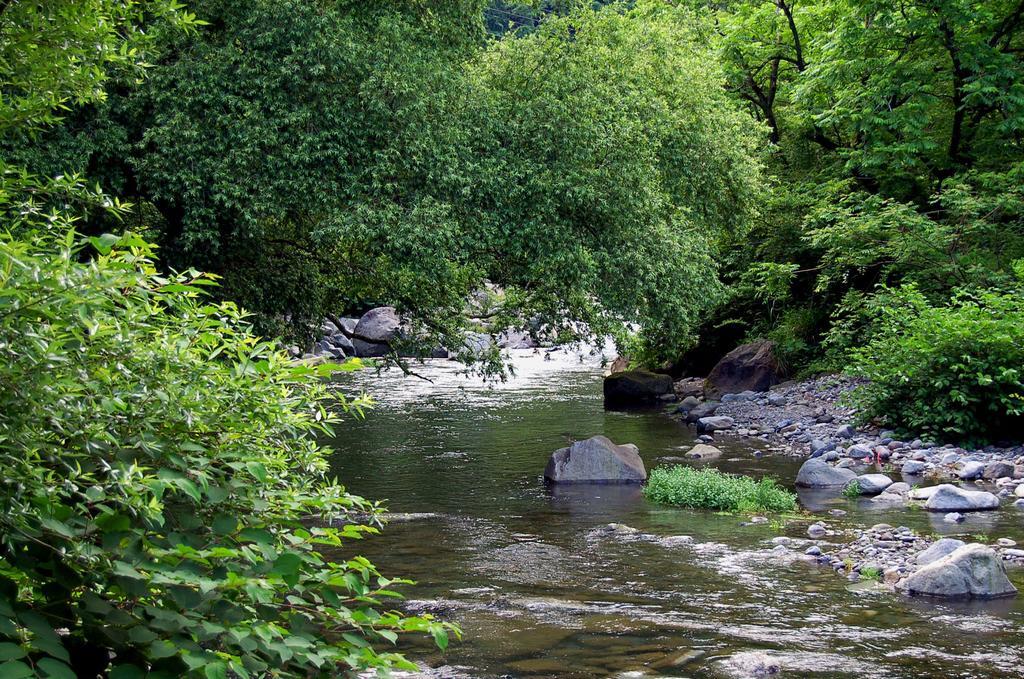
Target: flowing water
<point>537,593</point>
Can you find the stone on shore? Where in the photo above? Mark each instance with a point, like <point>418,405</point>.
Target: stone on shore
<point>816,473</point>
<point>715,423</point>
<point>997,470</point>
<point>970,572</point>
<point>748,367</point>
<point>939,550</point>
<point>949,498</point>
<point>375,331</point>
<point>971,470</point>
<point>596,460</point>
<point>635,387</point>
<point>913,467</point>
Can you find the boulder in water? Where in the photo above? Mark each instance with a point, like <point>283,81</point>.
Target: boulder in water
<point>969,572</point>
<point>702,451</point>
<point>635,387</point>
<point>940,550</point>
<point>596,460</point>
<point>816,473</point>
<point>873,484</point>
<point>949,498</point>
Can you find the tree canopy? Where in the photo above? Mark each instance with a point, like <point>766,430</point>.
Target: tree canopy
<point>321,158</point>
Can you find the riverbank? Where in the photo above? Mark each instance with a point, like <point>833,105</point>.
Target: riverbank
<point>814,418</point>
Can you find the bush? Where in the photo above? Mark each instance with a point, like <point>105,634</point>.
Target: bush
<point>164,504</point>
<point>712,489</point>
<point>949,372</point>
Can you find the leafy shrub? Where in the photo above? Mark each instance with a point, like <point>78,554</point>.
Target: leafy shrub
<point>952,372</point>
<point>165,506</point>
<point>712,489</point>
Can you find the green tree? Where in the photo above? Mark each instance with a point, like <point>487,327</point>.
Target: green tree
<point>329,156</point>
<point>166,510</point>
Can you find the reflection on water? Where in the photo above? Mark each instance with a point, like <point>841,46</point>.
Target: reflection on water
<point>538,593</point>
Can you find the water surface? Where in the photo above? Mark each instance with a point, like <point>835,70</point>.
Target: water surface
<point>518,566</point>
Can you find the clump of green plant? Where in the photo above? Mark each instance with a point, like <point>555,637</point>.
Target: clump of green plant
<point>852,490</point>
<point>712,489</point>
<point>871,573</point>
<point>952,372</point>
<point>167,510</point>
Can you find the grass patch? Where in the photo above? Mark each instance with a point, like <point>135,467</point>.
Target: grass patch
<point>712,489</point>
<point>852,489</point>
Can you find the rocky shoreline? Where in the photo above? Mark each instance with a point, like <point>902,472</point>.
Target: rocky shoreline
<point>811,418</point>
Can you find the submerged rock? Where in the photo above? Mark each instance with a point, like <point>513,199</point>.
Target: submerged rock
<point>753,664</point>
<point>596,460</point>
<point>816,473</point>
<point>970,572</point>
<point>635,387</point>
<point>949,498</point>
<point>703,451</point>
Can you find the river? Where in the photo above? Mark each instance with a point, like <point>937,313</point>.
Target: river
<point>516,565</point>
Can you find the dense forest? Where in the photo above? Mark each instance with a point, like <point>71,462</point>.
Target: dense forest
<point>187,189</point>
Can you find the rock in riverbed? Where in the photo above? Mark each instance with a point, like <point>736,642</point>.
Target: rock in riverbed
<point>702,451</point>
<point>969,572</point>
<point>635,387</point>
<point>715,423</point>
<point>873,484</point>
<point>816,473</point>
<point>747,367</point>
<point>949,498</point>
<point>939,550</point>
<point>596,460</point>
<point>375,330</point>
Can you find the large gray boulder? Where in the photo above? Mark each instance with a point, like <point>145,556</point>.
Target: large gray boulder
<point>873,484</point>
<point>596,460</point>
<point>816,473</point>
<point>635,387</point>
<point>374,332</point>
<point>969,572</point>
<point>940,550</point>
<point>949,498</point>
<point>748,367</point>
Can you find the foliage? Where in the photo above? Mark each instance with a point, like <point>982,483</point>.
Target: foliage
<point>852,490</point>
<point>712,489</point>
<point>951,371</point>
<point>167,502</point>
<point>58,53</point>
<point>897,160</point>
<point>333,157</point>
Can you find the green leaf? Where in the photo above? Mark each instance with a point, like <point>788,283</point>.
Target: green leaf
<point>216,670</point>
<point>9,651</point>
<point>126,672</point>
<point>54,669</point>
<point>15,670</point>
